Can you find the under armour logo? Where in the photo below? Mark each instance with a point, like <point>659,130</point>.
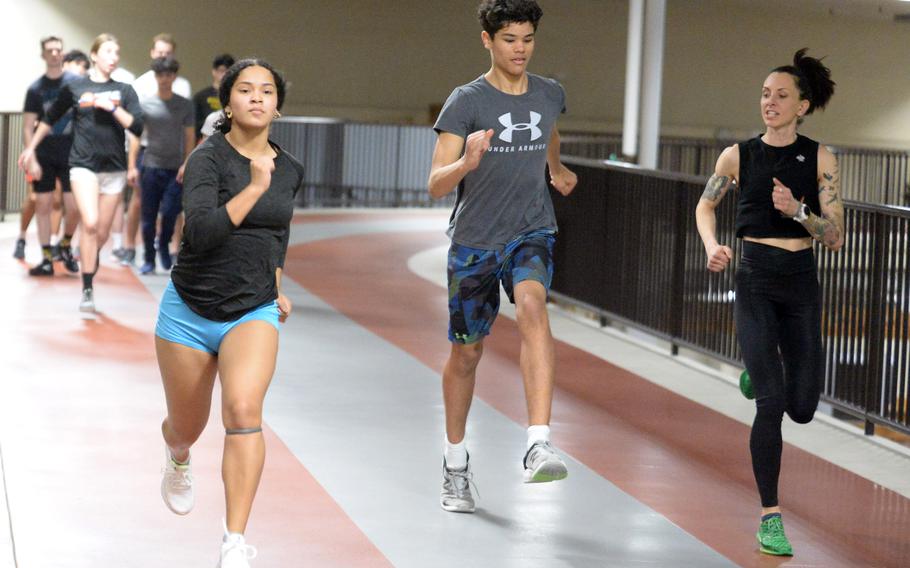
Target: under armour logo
<point>506,120</point>
<point>801,158</point>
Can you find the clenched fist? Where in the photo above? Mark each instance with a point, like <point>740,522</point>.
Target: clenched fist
<point>476,146</point>
<point>563,180</point>
<point>719,256</point>
<point>261,172</point>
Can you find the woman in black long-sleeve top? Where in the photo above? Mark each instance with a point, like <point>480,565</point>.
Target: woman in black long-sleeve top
<point>102,110</point>
<point>220,314</point>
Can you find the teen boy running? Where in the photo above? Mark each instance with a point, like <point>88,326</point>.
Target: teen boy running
<point>496,134</point>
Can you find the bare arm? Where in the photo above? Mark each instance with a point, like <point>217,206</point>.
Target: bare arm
<point>189,144</point>
<point>133,155</point>
<point>27,161</point>
<point>828,228</point>
<point>132,173</point>
<point>29,122</point>
<point>553,150</point>
<point>562,178</point>
<point>449,166</point>
<point>725,172</point>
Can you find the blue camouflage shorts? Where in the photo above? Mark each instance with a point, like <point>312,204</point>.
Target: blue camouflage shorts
<point>475,274</point>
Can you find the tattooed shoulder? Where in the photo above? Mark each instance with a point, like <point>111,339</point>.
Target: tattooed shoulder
<point>716,187</point>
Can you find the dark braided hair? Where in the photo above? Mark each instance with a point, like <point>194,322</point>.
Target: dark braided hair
<point>812,78</point>
<point>230,77</point>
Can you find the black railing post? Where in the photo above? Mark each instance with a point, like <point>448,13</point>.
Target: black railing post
<point>677,278</point>
<point>874,327</point>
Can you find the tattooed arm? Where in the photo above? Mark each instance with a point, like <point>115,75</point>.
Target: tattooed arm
<point>828,228</point>
<point>725,173</point>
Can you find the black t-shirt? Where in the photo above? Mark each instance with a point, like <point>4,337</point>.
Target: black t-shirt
<point>224,271</point>
<point>205,102</point>
<point>795,165</point>
<point>98,139</point>
<point>39,98</point>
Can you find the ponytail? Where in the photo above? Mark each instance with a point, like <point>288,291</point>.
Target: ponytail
<point>812,78</point>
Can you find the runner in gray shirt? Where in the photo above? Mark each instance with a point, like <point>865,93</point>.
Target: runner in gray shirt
<point>496,135</point>
<point>169,126</point>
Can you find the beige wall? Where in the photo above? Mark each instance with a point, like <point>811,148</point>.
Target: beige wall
<point>719,53</point>
<point>389,60</point>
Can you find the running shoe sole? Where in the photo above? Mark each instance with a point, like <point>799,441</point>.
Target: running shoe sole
<point>761,548</point>
<point>457,508</point>
<point>546,472</point>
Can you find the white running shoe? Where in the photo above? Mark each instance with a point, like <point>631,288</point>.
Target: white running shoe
<point>235,552</point>
<point>177,485</point>
<point>542,464</point>
<point>87,304</point>
<point>456,489</point>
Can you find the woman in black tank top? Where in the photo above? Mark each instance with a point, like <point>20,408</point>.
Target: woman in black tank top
<point>788,196</point>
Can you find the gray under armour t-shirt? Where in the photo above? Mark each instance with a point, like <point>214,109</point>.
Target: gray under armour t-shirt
<point>165,122</point>
<point>507,195</point>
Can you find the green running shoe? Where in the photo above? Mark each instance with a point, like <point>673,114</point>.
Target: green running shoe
<point>745,385</point>
<point>771,537</point>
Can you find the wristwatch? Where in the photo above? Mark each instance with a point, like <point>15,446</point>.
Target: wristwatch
<point>802,213</point>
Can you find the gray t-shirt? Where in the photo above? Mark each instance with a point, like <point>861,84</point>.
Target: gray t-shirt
<point>165,122</point>
<point>507,195</point>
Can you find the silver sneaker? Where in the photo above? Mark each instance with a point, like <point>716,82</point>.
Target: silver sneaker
<point>88,301</point>
<point>127,257</point>
<point>542,464</point>
<point>177,485</point>
<point>456,489</point>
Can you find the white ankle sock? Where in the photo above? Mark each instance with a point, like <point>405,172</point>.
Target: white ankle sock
<point>231,536</point>
<point>456,455</point>
<point>117,239</point>
<point>538,433</point>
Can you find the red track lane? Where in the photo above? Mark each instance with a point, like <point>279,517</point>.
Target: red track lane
<point>689,463</point>
<point>80,408</point>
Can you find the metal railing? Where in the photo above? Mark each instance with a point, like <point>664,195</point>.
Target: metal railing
<point>628,250</point>
<point>351,164</point>
<point>13,188</point>
<point>360,165</point>
<point>867,175</point>
<point>345,164</point>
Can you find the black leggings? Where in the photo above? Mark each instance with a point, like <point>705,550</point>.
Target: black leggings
<point>778,324</point>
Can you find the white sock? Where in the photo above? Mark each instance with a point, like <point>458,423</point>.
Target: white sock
<point>117,239</point>
<point>538,433</point>
<point>456,455</point>
<point>231,536</point>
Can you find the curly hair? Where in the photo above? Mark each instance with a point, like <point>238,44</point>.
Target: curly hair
<point>497,14</point>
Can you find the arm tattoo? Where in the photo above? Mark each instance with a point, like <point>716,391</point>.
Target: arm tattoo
<point>827,189</point>
<point>716,187</point>
<point>823,229</point>
<point>829,227</point>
